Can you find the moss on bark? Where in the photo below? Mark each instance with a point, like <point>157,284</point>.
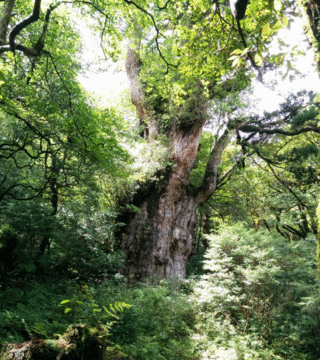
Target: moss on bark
<point>80,342</point>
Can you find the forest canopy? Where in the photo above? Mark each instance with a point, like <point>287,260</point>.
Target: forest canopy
<point>178,222</point>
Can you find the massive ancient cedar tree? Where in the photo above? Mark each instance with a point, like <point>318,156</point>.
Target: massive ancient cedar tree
<point>201,52</point>
<point>181,57</point>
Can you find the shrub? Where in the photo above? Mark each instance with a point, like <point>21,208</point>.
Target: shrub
<point>259,299</point>
<point>159,325</point>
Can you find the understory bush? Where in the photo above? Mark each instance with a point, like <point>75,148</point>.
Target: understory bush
<point>160,323</point>
<point>78,244</point>
<point>259,299</point>
<point>29,308</point>
<point>46,309</point>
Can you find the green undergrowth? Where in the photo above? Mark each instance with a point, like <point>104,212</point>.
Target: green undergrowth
<point>158,325</point>
<point>259,298</point>
<point>46,308</point>
<point>78,343</point>
<point>256,298</point>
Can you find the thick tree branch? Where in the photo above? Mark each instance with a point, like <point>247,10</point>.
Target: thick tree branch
<point>26,50</point>
<point>37,49</point>
<point>150,128</point>
<point>164,6</point>
<point>313,12</point>
<point>263,129</point>
<point>226,176</point>
<point>238,8</point>
<point>24,23</point>
<point>40,43</point>
<point>211,178</point>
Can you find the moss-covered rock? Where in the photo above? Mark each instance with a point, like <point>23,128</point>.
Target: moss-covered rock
<point>80,342</point>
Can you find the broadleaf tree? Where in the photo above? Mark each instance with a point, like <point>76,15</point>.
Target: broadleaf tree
<point>54,142</point>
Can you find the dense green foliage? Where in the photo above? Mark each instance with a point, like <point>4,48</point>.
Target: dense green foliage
<point>258,299</point>
<point>252,290</point>
<point>59,152</point>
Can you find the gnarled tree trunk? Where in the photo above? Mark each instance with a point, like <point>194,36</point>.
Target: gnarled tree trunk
<point>5,19</point>
<point>159,239</point>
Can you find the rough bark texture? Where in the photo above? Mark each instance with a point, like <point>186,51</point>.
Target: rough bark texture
<point>159,239</point>
<point>150,128</point>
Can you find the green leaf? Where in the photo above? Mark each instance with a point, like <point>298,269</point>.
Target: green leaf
<point>258,59</point>
<point>64,302</point>
<point>285,21</point>
<point>236,62</point>
<point>237,52</point>
<point>110,313</point>
<point>266,30</point>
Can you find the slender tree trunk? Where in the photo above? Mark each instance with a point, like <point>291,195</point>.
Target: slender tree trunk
<point>54,196</point>
<point>5,19</point>
<point>318,240</point>
<point>313,12</point>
